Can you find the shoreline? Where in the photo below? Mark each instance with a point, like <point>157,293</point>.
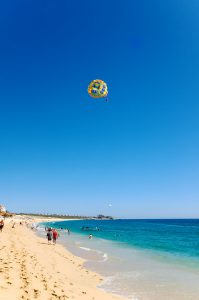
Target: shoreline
<point>134,272</point>
<point>32,269</point>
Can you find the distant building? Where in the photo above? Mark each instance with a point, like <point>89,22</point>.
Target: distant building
<point>2,209</point>
<point>102,217</point>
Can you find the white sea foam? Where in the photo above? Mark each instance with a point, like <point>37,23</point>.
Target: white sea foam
<point>105,257</point>
<point>84,248</point>
<point>40,229</point>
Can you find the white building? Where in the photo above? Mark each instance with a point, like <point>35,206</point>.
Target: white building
<point>2,209</point>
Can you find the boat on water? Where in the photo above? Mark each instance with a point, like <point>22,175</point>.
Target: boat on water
<point>87,228</point>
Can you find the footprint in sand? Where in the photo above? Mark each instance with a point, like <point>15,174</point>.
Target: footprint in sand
<point>36,293</point>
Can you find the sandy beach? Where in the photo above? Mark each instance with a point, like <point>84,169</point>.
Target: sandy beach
<point>32,269</point>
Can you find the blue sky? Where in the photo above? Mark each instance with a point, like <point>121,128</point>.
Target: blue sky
<point>60,150</point>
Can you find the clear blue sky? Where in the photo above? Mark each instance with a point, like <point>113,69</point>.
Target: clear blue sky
<point>60,150</point>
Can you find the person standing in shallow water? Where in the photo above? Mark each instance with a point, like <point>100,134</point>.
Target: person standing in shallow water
<point>49,236</point>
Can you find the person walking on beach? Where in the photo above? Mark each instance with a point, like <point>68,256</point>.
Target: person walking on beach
<point>1,225</point>
<point>55,236</point>
<point>49,236</point>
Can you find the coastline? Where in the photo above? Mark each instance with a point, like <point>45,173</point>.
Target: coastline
<point>32,269</point>
<point>37,219</point>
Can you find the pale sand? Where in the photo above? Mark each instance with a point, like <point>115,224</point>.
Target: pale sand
<point>32,269</point>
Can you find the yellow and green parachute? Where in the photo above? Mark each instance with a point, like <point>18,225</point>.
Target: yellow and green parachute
<point>98,89</point>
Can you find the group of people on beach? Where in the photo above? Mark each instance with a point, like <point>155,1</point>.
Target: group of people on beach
<point>52,235</point>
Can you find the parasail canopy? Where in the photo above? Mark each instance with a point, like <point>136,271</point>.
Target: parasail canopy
<point>98,89</point>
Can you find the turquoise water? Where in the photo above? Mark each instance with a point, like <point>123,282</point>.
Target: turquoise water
<point>178,237</point>
<point>141,259</point>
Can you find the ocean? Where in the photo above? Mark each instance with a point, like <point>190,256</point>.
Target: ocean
<point>140,259</point>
